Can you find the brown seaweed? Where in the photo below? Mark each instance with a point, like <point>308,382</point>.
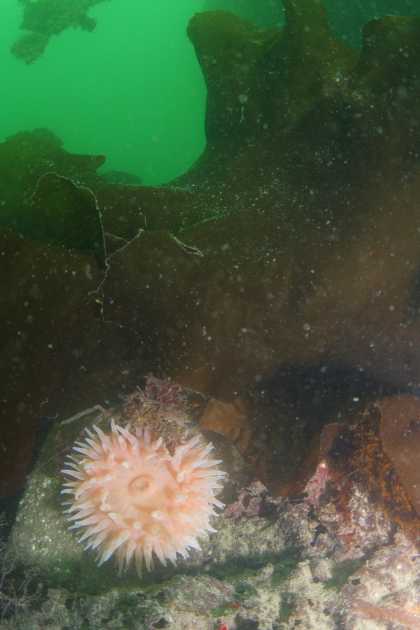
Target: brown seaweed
<point>40,199</point>
<point>306,262</point>
<point>44,18</point>
<point>57,353</point>
<point>279,275</point>
<point>400,436</point>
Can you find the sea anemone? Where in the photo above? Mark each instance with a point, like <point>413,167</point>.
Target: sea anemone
<point>132,497</point>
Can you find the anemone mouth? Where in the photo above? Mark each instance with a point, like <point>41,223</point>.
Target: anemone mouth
<point>143,486</point>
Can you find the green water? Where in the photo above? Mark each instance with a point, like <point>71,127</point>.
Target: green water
<point>131,90</point>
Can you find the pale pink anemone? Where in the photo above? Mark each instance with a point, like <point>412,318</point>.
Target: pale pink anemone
<point>132,497</point>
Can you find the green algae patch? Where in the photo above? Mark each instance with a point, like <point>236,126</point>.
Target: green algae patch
<point>131,608</point>
<point>154,589</point>
<point>287,607</point>
<point>284,567</point>
<point>244,589</point>
<point>226,609</point>
<point>341,572</point>
<point>238,569</point>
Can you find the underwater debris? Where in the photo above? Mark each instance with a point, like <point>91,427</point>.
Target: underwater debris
<point>44,18</point>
